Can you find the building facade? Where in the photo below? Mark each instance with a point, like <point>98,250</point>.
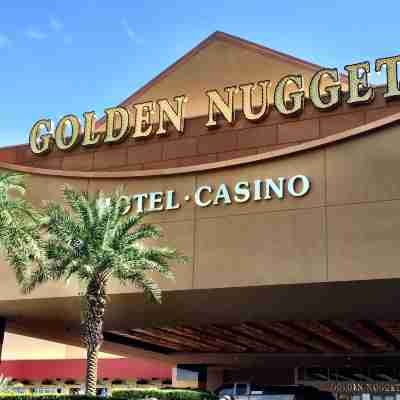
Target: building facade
<point>291,222</point>
<point>41,366</point>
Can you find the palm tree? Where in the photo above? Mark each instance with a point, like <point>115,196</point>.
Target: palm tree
<point>19,221</point>
<point>93,241</point>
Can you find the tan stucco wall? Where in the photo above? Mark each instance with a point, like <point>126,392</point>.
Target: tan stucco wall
<point>345,228</point>
<point>15,348</point>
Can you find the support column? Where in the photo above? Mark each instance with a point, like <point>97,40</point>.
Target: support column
<point>215,378</point>
<point>174,376</point>
<point>2,331</point>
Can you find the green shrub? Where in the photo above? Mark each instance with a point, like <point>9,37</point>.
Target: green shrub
<point>28,396</point>
<point>163,394</point>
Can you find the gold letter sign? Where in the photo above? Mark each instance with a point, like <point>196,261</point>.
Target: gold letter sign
<point>159,117</point>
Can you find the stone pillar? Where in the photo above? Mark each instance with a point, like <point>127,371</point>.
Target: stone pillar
<point>174,376</point>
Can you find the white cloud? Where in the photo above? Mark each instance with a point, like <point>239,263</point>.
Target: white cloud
<point>5,41</point>
<point>35,34</point>
<point>131,34</point>
<point>56,25</point>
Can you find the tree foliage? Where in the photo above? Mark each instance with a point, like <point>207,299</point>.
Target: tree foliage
<point>87,238</point>
<point>92,240</point>
<point>19,224</point>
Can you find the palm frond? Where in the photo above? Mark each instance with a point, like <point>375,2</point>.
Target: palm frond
<point>13,181</point>
<point>88,238</point>
<point>139,279</point>
<point>19,224</point>
<point>80,205</point>
<point>36,278</point>
<point>125,226</point>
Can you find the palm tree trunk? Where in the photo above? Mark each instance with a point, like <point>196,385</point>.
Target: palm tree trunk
<point>93,319</point>
<point>91,372</point>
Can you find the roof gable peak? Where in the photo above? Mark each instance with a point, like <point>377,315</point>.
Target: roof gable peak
<point>233,40</point>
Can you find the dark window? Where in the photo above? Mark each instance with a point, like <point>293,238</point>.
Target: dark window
<point>257,389</point>
<point>276,392</point>
<point>241,389</point>
<point>226,390</point>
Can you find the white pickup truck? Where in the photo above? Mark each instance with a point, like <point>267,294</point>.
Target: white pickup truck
<point>250,391</point>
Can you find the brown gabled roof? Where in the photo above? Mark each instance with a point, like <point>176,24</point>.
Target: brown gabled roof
<point>235,147</point>
<point>221,36</point>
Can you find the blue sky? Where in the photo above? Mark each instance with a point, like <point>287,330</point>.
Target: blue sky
<point>61,57</point>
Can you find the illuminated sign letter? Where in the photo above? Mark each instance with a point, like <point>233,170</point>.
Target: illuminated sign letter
<point>67,143</point>
<point>248,100</point>
<point>227,109</point>
<point>277,188</point>
<point>222,194</point>
<point>140,198</point>
<point>127,201</point>
<point>176,117</point>
<point>123,115</point>
<point>198,199</point>
<point>40,144</point>
<point>358,79</point>
<point>171,205</point>
<point>292,185</point>
<point>89,138</point>
<point>242,192</point>
<point>392,80</point>
<point>296,98</point>
<point>332,90</point>
<point>155,201</point>
<point>143,126</point>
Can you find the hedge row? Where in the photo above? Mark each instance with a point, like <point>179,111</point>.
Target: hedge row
<point>163,394</point>
<point>13,396</point>
<point>131,394</point>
